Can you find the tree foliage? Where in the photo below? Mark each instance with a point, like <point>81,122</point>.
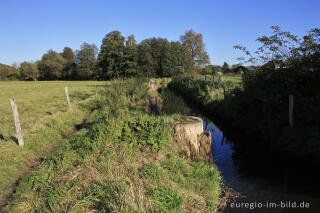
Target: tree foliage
<point>154,57</point>
<point>130,66</point>
<point>159,57</point>
<point>194,43</point>
<point>111,56</point>
<point>118,57</point>
<point>284,48</point>
<point>8,73</point>
<point>68,55</point>
<point>225,67</point>
<point>29,71</point>
<point>51,66</point>
<point>86,59</point>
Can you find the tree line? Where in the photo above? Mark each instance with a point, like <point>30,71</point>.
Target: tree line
<point>119,57</point>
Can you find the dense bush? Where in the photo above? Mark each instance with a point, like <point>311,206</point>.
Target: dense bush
<point>259,108</point>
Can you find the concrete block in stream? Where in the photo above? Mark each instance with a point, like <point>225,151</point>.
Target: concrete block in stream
<point>192,140</point>
<point>155,105</point>
<point>153,87</point>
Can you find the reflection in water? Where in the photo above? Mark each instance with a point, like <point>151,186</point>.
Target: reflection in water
<point>255,186</point>
<point>222,154</point>
<point>259,180</point>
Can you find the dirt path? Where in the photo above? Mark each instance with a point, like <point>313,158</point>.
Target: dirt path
<point>36,162</point>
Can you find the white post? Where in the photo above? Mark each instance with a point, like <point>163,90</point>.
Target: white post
<point>68,99</point>
<point>291,110</point>
<point>16,121</point>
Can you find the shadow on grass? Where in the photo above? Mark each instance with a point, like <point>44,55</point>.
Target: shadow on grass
<point>100,86</point>
<point>80,95</point>
<point>14,139</point>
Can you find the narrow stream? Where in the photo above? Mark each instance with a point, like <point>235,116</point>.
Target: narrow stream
<point>261,183</point>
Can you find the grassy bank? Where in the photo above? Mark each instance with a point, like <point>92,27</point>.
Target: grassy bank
<point>122,160</point>
<point>204,90</point>
<point>44,119</point>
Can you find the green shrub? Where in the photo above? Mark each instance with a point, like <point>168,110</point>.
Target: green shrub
<point>145,131</point>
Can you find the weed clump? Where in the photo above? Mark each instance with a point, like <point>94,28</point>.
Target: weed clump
<point>167,200</point>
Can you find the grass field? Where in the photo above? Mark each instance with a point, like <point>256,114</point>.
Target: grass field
<point>44,119</point>
<point>236,78</point>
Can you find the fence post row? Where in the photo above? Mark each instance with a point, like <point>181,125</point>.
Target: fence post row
<point>68,99</point>
<point>16,121</point>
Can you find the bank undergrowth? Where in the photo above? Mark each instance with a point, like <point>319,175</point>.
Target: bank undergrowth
<point>259,109</point>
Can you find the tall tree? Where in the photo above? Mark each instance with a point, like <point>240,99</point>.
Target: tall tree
<point>8,72</point>
<point>283,48</point>
<point>29,71</point>
<point>51,66</point>
<point>111,56</point>
<point>86,59</point>
<point>147,63</point>
<point>216,69</point>
<point>160,58</point>
<point>177,60</point>
<point>194,43</point>
<point>225,67</point>
<point>130,65</point>
<point>68,55</point>
<point>160,49</point>
<point>152,55</point>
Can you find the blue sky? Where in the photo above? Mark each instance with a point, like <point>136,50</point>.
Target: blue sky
<point>30,28</point>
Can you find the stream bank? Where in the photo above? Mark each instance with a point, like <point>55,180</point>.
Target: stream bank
<point>258,178</point>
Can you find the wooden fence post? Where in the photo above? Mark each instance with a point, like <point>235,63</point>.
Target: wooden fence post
<point>68,99</point>
<point>291,110</point>
<point>16,121</point>
<point>96,91</point>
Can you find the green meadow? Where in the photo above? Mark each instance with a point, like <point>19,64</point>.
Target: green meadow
<point>44,119</point>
